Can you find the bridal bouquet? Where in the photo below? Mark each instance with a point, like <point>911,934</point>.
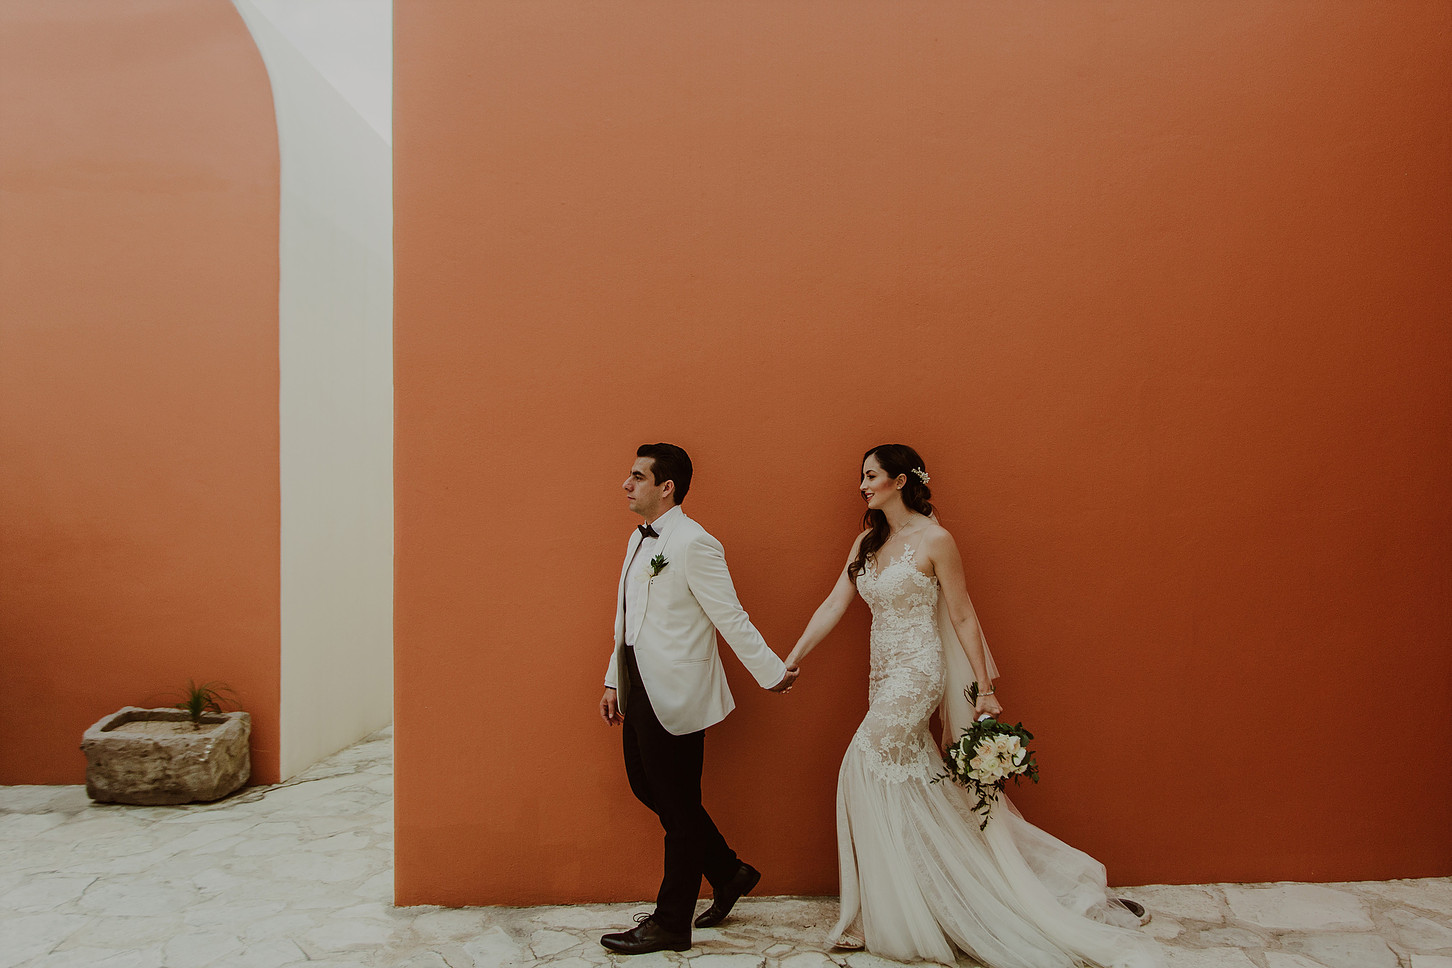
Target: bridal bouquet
<point>986,756</point>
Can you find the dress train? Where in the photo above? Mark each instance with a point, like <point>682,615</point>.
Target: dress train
<point>918,877</point>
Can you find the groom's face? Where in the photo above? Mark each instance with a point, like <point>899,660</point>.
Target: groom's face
<point>646,498</point>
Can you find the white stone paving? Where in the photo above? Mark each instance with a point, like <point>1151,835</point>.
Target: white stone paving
<point>1299,907</point>
<point>300,875</point>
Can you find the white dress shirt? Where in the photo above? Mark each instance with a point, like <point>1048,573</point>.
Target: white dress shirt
<point>637,577</point>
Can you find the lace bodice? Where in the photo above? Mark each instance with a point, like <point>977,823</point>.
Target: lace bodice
<point>900,593</point>
<point>905,683</point>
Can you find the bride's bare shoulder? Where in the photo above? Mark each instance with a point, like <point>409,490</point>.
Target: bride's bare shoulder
<point>937,536</point>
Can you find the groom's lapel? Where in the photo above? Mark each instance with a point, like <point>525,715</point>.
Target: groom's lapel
<point>635,540</point>
<point>631,545</point>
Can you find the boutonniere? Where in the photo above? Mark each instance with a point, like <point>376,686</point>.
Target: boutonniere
<point>658,565</point>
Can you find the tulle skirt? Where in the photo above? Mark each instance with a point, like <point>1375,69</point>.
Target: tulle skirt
<point>918,877</point>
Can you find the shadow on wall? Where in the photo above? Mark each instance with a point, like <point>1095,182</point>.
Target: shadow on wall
<point>330,63</point>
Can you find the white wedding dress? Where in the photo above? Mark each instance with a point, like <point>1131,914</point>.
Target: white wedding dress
<point>918,876</point>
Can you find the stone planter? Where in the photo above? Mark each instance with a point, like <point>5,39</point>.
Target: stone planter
<point>154,756</point>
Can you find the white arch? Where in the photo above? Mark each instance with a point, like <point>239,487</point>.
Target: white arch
<point>330,64</point>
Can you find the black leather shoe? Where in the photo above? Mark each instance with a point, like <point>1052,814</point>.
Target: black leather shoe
<point>741,883</point>
<point>645,937</point>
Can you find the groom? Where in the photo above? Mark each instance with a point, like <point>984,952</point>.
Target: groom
<point>665,685</point>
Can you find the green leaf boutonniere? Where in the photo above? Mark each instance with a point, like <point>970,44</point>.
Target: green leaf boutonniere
<point>657,565</point>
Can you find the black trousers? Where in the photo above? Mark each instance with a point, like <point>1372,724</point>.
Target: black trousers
<point>665,774</point>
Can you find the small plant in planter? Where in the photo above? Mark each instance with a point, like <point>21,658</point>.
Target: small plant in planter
<point>178,754</point>
<point>197,700</point>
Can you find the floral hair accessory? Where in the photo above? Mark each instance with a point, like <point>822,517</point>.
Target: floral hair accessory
<point>922,475</point>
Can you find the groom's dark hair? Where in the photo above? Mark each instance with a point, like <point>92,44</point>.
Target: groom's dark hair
<point>669,463</point>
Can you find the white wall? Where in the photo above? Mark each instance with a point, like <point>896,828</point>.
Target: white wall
<point>330,63</point>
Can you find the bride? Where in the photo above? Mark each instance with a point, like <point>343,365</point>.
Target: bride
<point>918,876</point>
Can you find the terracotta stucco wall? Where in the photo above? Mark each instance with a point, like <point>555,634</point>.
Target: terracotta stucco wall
<point>138,370</point>
<point>1161,292</point>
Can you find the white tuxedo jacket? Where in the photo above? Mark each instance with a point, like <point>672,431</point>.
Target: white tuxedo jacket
<point>685,606</point>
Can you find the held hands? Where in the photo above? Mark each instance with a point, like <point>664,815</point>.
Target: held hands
<point>610,708</point>
<point>610,704</point>
<point>786,681</point>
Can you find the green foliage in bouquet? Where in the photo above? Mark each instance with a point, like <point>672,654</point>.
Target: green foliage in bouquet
<point>986,756</point>
<point>198,700</point>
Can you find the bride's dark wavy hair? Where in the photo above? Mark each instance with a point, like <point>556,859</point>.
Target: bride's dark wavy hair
<point>895,460</point>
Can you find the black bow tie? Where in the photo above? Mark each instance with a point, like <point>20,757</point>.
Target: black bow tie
<point>646,531</point>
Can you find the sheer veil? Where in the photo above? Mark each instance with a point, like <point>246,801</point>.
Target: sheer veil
<point>956,712</point>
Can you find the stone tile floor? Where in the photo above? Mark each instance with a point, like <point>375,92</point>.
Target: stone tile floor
<point>301,874</point>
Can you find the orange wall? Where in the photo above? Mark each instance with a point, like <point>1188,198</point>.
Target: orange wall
<point>1161,292</point>
<point>138,370</point>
